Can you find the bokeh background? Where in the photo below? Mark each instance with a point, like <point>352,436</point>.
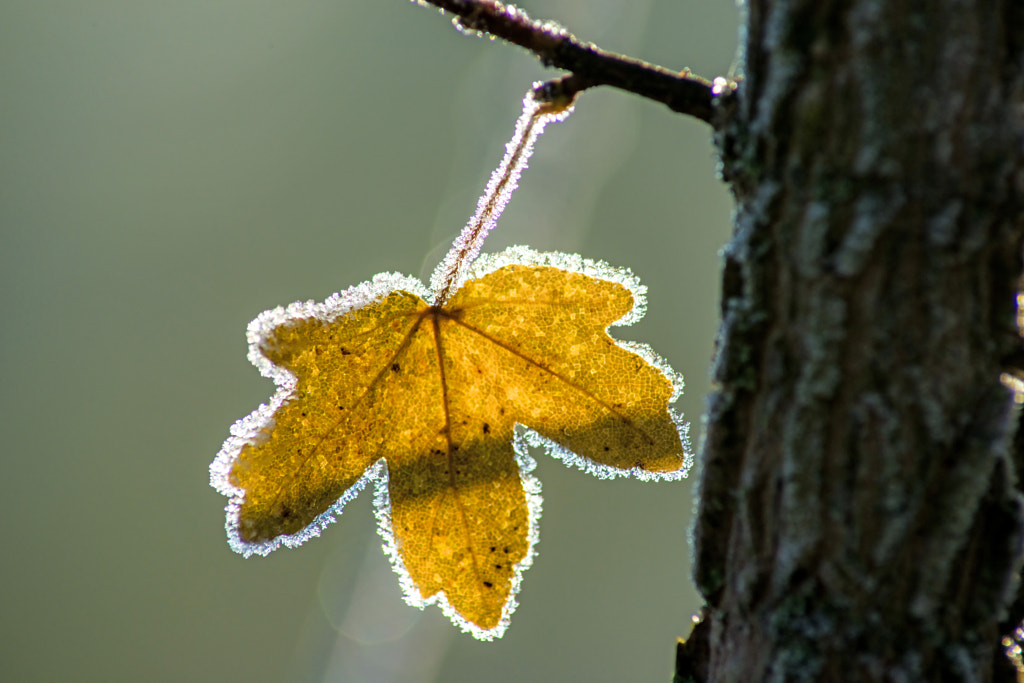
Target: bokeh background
<point>170,169</point>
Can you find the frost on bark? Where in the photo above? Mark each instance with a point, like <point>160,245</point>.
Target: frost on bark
<point>859,513</point>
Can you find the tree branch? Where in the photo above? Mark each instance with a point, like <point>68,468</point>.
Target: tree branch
<point>682,92</point>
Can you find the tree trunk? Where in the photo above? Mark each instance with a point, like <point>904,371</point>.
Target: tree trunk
<point>859,514</point>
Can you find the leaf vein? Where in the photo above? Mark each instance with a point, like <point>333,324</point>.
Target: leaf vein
<point>448,435</point>
<point>374,382</point>
<point>560,377</point>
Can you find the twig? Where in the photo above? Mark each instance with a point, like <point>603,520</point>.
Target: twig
<point>682,92</point>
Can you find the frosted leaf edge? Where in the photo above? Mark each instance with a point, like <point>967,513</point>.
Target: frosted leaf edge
<point>248,429</point>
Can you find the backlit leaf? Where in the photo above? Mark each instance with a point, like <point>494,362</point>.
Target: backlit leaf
<point>435,404</point>
<point>434,394</point>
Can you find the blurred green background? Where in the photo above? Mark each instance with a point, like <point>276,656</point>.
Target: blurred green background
<point>170,169</point>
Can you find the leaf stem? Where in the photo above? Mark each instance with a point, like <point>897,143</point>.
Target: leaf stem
<point>546,102</point>
<point>682,92</point>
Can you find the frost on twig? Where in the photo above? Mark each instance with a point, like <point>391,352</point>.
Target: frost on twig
<point>681,91</point>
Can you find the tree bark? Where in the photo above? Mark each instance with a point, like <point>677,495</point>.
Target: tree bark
<point>859,514</point>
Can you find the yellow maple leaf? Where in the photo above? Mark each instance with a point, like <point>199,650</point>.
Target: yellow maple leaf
<point>436,403</point>
<point>375,384</point>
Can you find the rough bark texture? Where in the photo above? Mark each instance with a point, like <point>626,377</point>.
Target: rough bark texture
<point>859,514</point>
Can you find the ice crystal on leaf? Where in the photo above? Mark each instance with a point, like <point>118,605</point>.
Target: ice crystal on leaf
<point>434,394</point>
